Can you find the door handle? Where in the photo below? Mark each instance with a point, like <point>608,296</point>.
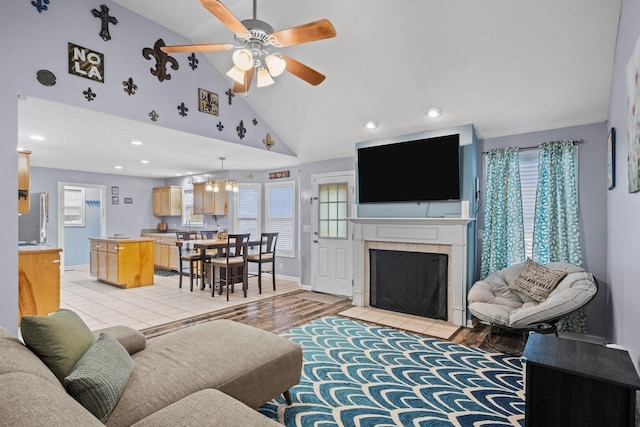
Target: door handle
<point>315,241</point>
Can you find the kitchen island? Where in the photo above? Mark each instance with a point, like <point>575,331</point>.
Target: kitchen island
<point>38,280</point>
<point>122,262</point>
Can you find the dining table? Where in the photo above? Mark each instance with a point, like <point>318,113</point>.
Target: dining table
<point>204,245</point>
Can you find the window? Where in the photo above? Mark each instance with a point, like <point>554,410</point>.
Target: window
<point>280,215</point>
<point>247,210</point>
<point>73,206</point>
<point>332,215</point>
<point>528,186</point>
<point>188,218</point>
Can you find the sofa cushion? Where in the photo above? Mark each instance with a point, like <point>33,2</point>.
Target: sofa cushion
<point>536,281</point>
<point>59,339</point>
<point>100,376</point>
<point>16,357</point>
<point>28,401</point>
<point>131,339</point>
<point>207,407</point>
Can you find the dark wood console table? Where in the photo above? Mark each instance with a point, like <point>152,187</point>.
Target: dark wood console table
<point>573,383</point>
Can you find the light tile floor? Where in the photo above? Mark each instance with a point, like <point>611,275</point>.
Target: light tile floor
<point>101,305</point>
<point>435,328</point>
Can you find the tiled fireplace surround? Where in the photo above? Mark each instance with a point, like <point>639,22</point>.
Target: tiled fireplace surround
<point>431,235</point>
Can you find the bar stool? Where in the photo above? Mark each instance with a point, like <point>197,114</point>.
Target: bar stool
<point>191,258</point>
<point>267,254</point>
<point>234,263</point>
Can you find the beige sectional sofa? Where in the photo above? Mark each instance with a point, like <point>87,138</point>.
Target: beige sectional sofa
<point>216,373</point>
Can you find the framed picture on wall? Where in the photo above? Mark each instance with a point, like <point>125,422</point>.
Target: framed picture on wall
<point>611,159</point>
<point>115,200</point>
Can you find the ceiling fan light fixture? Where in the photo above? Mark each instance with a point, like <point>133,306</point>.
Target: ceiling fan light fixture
<point>243,59</point>
<point>275,64</point>
<point>264,78</point>
<point>236,74</point>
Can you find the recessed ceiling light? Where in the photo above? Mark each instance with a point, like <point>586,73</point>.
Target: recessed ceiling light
<point>372,124</point>
<point>178,174</point>
<point>37,137</point>
<point>117,167</point>
<point>136,142</point>
<point>434,112</point>
<point>144,161</point>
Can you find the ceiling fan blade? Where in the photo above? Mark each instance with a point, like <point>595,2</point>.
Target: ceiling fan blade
<point>221,12</point>
<point>242,88</point>
<point>317,30</point>
<point>196,47</point>
<point>302,71</point>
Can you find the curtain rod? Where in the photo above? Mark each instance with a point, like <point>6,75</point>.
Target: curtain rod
<point>531,147</point>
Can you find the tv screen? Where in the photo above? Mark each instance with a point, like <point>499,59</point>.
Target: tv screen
<point>413,171</point>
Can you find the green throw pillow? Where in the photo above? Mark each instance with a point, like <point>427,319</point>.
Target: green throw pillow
<point>536,280</point>
<point>59,339</point>
<point>100,377</point>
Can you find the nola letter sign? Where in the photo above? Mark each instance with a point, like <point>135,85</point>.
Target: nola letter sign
<point>86,63</point>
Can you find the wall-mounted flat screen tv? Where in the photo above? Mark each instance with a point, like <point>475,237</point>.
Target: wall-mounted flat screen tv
<point>412,171</point>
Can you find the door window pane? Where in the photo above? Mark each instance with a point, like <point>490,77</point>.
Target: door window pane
<point>332,211</point>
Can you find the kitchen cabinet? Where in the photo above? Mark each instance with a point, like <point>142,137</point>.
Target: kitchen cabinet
<point>126,263</point>
<point>208,202</point>
<point>167,201</point>
<point>24,181</point>
<point>165,251</point>
<point>38,280</point>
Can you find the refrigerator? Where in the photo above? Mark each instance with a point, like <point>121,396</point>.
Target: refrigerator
<point>32,227</point>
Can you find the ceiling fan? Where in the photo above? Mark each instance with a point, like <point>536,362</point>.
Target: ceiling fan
<point>255,39</point>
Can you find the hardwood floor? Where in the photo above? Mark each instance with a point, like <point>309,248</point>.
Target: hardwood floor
<point>281,313</point>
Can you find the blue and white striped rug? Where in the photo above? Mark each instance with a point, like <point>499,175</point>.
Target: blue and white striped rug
<point>356,374</point>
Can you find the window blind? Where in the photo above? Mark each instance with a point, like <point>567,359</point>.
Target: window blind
<point>247,210</point>
<point>528,161</point>
<point>280,215</point>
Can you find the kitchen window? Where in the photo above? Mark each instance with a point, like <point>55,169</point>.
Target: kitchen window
<point>188,218</point>
<point>247,210</point>
<point>280,215</point>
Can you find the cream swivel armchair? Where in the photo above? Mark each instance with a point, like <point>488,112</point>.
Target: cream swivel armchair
<point>503,301</point>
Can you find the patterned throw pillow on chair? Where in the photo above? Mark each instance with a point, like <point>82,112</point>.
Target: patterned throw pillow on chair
<point>536,281</point>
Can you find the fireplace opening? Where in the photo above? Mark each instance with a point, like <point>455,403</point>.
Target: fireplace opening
<point>409,282</point>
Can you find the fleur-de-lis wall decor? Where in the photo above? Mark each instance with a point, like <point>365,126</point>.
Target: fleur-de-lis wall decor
<point>160,70</point>
<point>268,142</point>
<point>242,131</point>
<point>40,5</point>
<point>130,87</point>
<point>103,14</point>
<point>193,61</point>
<point>89,94</point>
<point>183,109</point>
<point>220,126</point>
<point>154,116</point>
<point>255,121</point>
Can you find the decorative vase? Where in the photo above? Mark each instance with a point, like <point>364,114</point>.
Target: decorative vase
<point>162,226</point>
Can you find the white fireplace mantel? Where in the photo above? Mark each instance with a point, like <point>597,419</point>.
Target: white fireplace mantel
<point>439,231</point>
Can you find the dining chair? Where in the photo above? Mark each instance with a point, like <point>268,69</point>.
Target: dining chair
<point>209,234</point>
<point>232,266</point>
<point>266,254</point>
<point>189,257</point>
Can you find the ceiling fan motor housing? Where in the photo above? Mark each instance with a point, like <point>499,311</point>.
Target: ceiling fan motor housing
<point>258,42</point>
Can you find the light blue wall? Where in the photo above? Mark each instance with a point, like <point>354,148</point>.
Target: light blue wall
<point>623,208</point>
<point>76,238</point>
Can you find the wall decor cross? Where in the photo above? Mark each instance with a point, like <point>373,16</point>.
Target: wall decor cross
<point>230,94</point>
<point>106,19</point>
<point>160,70</point>
<point>40,5</point>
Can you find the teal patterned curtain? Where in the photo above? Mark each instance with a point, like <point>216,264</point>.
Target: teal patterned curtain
<point>503,241</point>
<point>556,231</point>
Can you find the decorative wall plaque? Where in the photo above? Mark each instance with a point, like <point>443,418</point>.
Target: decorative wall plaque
<point>86,63</point>
<point>46,77</point>
<point>160,71</point>
<point>208,102</point>
<point>277,175</point>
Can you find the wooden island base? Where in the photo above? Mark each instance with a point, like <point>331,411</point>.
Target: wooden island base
<point>125,263</point>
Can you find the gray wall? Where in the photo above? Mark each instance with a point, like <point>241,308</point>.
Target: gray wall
<point>592,194</point>
<point>623,208</point>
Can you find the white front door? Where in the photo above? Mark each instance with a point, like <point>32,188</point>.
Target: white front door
<point>332,240</point>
